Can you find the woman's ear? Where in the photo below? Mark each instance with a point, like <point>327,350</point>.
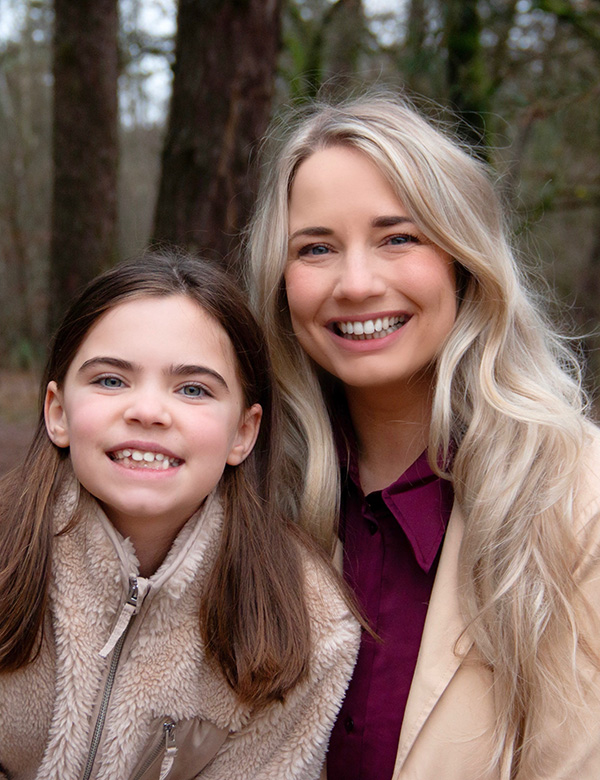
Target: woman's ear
<point>55,416</point>
<point>246,435</point>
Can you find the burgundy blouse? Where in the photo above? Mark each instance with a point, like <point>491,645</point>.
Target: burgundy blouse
<point>392,539</point>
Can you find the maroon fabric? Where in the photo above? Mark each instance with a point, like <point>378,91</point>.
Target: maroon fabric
<point>392,540</point>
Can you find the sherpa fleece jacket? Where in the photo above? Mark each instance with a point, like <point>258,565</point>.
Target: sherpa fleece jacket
<point>122,688</point>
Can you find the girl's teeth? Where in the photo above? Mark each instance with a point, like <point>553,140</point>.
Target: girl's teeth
<point>145,459</point>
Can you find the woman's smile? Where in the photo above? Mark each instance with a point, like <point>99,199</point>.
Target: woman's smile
<point>369,328</point>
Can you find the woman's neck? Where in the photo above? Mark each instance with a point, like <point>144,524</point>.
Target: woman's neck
<point>392,430</point>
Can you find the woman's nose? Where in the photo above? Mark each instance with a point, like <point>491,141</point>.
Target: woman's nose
<point>148,408</point>
<point>359,277</point>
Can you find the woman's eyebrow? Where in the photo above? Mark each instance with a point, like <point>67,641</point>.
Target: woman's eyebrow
<point>377,222</point>
<point>390,221</point>
<point>311,231</point>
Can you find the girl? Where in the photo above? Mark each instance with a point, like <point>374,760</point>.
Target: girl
<point>470,477</point>
<point>158,615</point>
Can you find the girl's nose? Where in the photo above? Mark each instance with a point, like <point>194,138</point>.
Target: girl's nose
<point>148,408</point>
<point>359,277</point>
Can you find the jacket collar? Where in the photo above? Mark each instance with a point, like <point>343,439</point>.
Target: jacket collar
<point>105,549</point>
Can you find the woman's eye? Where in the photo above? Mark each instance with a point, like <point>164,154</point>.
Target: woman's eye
<point>110,382</point>
<point>403,238</point>
<point>314,250</point>
<point>193,391</point>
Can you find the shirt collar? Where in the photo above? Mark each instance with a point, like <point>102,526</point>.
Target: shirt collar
<point>419,500</point>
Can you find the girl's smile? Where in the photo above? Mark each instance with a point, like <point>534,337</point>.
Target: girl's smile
<point>152,411</point>
<point>145,457</point>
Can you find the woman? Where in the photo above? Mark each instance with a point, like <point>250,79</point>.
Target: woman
<point>470,479</point>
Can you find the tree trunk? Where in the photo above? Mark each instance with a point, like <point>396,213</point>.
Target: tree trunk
<point>85,146</point>
<point>467,81</point>
<point>347,34</point>
<point>225,59</point>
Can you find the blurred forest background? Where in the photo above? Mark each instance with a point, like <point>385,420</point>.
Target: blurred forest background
<point>129,121</point>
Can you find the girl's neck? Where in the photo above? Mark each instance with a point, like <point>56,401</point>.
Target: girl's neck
<point>151,541</point>
<point>391,428</point>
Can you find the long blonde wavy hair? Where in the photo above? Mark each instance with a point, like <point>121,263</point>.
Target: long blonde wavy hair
<point>508,413</point>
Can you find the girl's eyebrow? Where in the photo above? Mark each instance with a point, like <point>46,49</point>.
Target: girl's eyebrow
<point>378,222</point>
<point>182,369</point>
<point>124,365</point>
<point>189,370</point>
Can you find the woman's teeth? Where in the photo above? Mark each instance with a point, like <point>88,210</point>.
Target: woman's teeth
<point>370,329</point>
<point>144,459</point>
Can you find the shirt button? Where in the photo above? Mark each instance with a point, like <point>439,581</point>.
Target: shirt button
<point>372,526</point>
<point>349,724</point>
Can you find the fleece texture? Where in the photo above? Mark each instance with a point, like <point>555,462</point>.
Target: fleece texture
<point>49,709</point>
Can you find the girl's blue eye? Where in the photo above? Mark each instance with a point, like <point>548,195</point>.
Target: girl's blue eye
<point>193,391</point>
<point>110,382</point>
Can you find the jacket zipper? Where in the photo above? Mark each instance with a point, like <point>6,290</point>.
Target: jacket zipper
<point>166,740</point>
<point>132,601</point>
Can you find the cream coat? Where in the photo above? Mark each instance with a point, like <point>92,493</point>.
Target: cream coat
<point>450,711</point>
<point>166,700</point>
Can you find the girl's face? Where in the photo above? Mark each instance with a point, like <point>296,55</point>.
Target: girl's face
<point>371,299</point>
<point>152,410</point>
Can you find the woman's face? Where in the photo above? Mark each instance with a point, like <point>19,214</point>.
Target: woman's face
<point>371,299</point>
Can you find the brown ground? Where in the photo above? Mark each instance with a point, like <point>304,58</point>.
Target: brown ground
<point>18,415</point>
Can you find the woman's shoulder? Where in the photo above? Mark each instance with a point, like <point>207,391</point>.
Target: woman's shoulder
<point>586,500</point>
<point>589,473</point>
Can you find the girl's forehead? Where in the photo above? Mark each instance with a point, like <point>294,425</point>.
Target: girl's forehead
<point>150,324</point>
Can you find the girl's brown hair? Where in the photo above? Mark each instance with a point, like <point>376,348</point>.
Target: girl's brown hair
<point>253,615</point>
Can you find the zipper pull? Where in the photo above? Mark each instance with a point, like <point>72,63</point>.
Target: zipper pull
<point>170,749</point>
<point>138,588</point>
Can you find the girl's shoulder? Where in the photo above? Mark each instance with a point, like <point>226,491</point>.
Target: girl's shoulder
<point>332,619</point>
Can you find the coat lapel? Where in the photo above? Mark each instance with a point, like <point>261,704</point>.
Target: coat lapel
<point>439,654</point>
